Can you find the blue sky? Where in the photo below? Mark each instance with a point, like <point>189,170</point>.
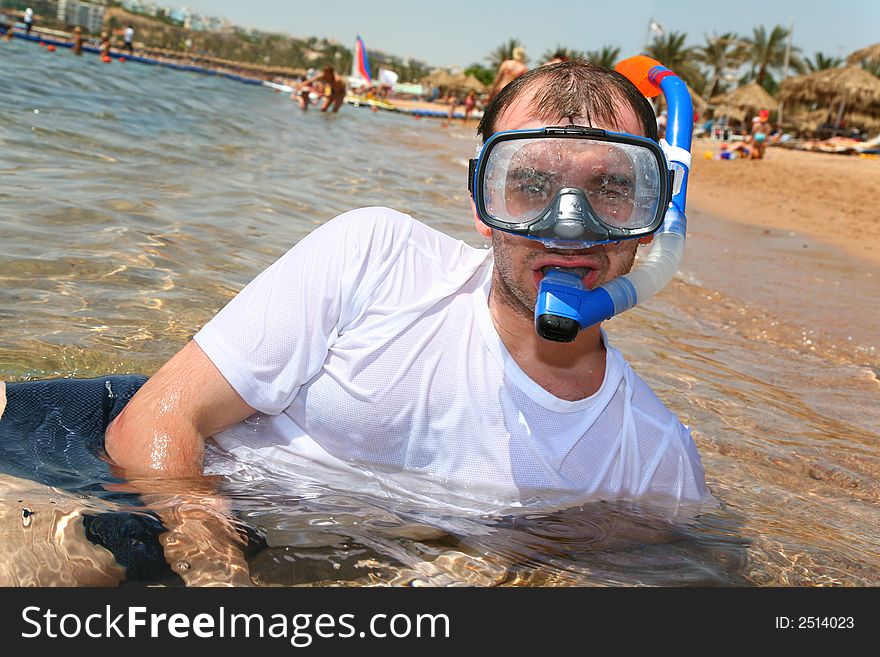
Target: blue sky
<point>461,32</point>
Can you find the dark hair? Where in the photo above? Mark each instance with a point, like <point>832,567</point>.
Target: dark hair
<point>575,88</point>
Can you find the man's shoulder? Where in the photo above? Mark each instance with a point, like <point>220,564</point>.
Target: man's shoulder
<point>647,405</point>
<point>382,224</point>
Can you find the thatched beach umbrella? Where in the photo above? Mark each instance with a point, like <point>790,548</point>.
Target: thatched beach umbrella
<point>750,96</point>
<point>438,78</point>
<point>737,114</point>
<point>867,122</point>
<point>851,87</point>
<point>466,83</point>
<point>869,54</point>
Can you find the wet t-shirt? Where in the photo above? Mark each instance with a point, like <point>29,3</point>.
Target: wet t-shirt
<point>369,350</point>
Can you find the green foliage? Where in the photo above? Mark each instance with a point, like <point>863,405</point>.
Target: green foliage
<point>722,55</point>
<point>670,51</point>
<point>562,52</point>
<point>766,51</point>
<point>608,56</point>
<point>483,74</point>
<point>822,61</point>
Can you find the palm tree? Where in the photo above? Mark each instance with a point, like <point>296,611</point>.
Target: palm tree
<point>720,54</point>
<point>767,51</point>
<point>563,53</point>
<point>822,61</point>
<point>606,57</point>
<point>503,52</point>
<point>670,51</point>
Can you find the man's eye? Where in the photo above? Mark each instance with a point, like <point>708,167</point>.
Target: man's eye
<point>529,181</point>
<point>612,187</point>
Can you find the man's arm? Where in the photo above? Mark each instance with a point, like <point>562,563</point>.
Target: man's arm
<point>161,432</point>
<point>158,441</point>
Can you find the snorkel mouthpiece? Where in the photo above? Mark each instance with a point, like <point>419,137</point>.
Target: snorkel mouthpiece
<point>564,307</point>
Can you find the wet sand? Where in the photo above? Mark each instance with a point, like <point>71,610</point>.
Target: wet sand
<point>832,198</point>
<point>795,237</point>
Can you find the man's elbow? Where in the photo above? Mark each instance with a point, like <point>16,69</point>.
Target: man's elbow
<point>143,449</point>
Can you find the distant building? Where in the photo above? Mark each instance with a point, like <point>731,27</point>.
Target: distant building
<point>88,15</point>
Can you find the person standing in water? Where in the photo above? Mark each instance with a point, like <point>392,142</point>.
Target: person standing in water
<point>105,46</point>
<point>334,89</point>
<point>128,39</point>
<point>509,71</point>
<point>77,40</point>
<point>28,20</point>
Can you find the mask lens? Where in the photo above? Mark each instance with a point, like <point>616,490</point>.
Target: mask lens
<point>620,181</point>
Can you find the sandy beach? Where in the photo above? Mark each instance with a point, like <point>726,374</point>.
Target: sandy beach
<point>831,198</point>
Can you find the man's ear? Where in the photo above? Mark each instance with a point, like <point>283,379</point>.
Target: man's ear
<point>482,228</point>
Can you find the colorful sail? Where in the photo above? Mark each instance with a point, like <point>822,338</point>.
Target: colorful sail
<point>361,63</point>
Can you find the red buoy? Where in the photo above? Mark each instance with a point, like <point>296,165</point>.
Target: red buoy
<point>105,59</point>
<point>122,59</point>
<point>50,48</point>
<point>42,43</point>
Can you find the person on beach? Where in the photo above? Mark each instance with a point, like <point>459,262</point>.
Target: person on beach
<point>509,71</point>
<point>77,40</point>
<point>334,89</point>
<point>128,39</point>
<point>761,130</point>
<point>378,343</point>
<point>469,103</point>
<point>28,20</point>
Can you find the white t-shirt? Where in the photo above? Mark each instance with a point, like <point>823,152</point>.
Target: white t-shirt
<point>370,352</point>
<point>28,15</point>
<point>128,35</point>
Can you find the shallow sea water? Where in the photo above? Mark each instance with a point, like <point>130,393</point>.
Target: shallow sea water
<point>135,201</point>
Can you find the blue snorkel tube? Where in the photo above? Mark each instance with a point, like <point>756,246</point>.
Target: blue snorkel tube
<point>564,306</point>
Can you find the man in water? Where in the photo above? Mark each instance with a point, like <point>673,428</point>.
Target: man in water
<point>334,89</point>
<point>379,344</point>
<point>381,341</point>
<point>509,71</point>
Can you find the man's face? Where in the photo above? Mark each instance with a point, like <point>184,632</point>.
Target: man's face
<point>520,262</point>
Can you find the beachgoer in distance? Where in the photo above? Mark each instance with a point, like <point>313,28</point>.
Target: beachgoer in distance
<point>77,40</point>
<point>128,39</point>
<point>509,71</point>
<point>761,130</point>
<point>334,89</point>
<point>28,20</point>
<point>470,102</point>
<point>105,45</point>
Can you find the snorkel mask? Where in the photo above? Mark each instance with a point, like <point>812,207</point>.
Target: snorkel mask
<point>573,187</point>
